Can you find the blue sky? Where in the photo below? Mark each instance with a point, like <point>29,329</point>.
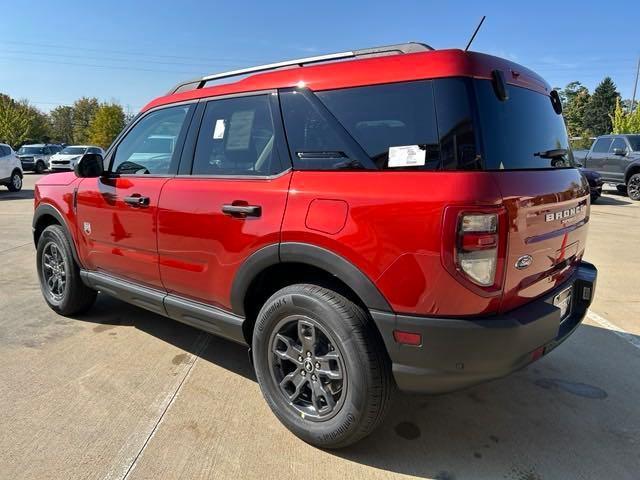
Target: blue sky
<point>52,52</point>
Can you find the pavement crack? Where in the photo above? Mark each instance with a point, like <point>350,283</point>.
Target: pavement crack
<point>200,345</point>
<point>11,249</point>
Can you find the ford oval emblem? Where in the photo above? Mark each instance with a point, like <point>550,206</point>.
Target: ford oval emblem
<point>524,261</point>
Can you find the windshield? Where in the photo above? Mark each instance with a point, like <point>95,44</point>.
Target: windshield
<point>73,151</point>
<point>522,132</point>
<point>634,140</point>
<point>31,151</point>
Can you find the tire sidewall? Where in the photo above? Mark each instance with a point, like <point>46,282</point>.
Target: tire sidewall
<point>637,178</point>
<point>345,422</point>
<point>11,186</point>
<point>49,235</point>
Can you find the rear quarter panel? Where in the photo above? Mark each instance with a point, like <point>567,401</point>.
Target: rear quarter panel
<point>392,231</point>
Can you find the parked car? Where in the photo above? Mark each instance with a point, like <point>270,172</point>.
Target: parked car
<point>66,158</point>
<point>595,183</point>
<point>36,157</point>
<point>617,159</point>
<point>401,217</point>
<point>10,169</point>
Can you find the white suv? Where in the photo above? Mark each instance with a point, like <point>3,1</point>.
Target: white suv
<point>10,169</point>
<point>67,158</point>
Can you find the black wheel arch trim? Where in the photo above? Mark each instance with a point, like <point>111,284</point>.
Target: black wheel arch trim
<point>632,169</point>
<point>304,253</point>
<point>47,209</point>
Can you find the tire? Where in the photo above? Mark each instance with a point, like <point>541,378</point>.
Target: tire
<point>15,182</point>
<point>622,189</point>
<point>594,197</point>
<point>59,275</point>
<point>40,167</point>
<point>348,369</point>
<point>633,187</point>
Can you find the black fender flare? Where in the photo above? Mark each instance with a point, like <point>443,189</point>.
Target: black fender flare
<point>304,253</point>
<point>632,168</point>
<point>47,209</point>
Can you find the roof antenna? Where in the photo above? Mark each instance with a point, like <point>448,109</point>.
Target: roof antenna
<point>474,33</point>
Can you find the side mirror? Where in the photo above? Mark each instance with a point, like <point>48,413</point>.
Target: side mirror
<point>620,151</point>
<point>89,166</point>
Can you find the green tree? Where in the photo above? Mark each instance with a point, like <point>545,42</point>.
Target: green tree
<point>107,123</point>
<point>575,98</point>
<point>20,122</point>
<point>84,109</point>
<point>600,108</point>
<point>61,120</point>
<point>623,121</point>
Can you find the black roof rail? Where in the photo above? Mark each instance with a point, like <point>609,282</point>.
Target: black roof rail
<point>401,48</point>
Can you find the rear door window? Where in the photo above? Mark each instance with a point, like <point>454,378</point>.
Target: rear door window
<point>237,137</point>
<point>618,143</point>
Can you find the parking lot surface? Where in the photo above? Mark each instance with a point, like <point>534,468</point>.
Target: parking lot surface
<point>122,393</point>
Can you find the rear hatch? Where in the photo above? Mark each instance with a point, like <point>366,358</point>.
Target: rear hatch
<point>525,146</point>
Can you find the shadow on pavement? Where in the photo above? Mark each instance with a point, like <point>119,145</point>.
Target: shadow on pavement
<point>23,194</point>
<point>539,419</point>
<point>613,199</point>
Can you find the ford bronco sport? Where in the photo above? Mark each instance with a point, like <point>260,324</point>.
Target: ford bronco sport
<point>403,217</point>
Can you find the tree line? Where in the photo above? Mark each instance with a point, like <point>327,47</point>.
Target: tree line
<point>86,122</point>
<point>589,114</point>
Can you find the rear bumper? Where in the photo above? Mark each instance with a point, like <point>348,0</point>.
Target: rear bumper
<point>458,353</point>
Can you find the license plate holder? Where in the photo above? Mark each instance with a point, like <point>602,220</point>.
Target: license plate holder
<point>563,301</point>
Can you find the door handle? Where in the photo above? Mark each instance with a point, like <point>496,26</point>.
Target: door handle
<point>242,211</point>
<point>137,200</point>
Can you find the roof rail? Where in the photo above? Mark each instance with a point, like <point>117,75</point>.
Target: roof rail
<point>410,47</point>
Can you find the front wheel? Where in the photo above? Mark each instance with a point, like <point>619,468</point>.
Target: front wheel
<point>15,182</point>
<point>59,275</point>
<point>320,365</point>
<point>40,167</point>
<point>633,187</point>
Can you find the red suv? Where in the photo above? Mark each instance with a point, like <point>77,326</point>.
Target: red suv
<point>395,216</point>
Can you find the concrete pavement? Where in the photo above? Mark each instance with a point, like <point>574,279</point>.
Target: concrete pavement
<point>122,393</point>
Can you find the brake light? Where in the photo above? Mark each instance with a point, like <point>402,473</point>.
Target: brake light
<point>474,247</point>
<point>477,252</point>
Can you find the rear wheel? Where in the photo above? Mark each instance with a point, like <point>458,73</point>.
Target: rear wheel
<point>320,366</point>
<point>59,275</point>
<point>15,182</point>
<point>622,189</point>
<point>633,187</point>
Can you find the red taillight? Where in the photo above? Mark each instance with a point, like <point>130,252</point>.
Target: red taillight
<point>474,246</point>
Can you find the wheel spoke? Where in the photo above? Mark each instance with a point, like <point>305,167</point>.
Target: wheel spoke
<point>329,366</point>
<point>292,352</point>
<point>297,381</point>
<point>322,400</point>
<point>307,336</point>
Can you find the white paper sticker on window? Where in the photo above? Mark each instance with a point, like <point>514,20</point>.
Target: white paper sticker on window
<point>406,156</point>
<point>218,130</point>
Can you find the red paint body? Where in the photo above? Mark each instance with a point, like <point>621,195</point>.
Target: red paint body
<point>389,224</point>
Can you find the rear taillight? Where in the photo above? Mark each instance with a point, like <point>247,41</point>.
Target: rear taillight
<point>474,247</point>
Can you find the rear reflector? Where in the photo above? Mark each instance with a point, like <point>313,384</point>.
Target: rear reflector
<point>407,338</point>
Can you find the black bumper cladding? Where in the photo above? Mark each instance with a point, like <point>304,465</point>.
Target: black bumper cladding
<point>457,353</point>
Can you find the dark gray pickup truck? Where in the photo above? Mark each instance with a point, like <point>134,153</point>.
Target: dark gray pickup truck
<point>617,159</point>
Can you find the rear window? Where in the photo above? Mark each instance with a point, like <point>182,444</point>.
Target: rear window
<point>602,145</point>
<point>523,132</point>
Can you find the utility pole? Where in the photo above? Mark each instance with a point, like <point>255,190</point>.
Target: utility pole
<point>635,86</point>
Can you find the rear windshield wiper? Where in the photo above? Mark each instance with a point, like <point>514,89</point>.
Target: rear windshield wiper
<point>555,153</point>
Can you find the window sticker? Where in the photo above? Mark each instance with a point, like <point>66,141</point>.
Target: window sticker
<point>218,130</point>
<point>240,128</point>
<point>407,156</point>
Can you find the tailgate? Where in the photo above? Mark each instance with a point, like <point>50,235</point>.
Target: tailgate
<point>548,213</point>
